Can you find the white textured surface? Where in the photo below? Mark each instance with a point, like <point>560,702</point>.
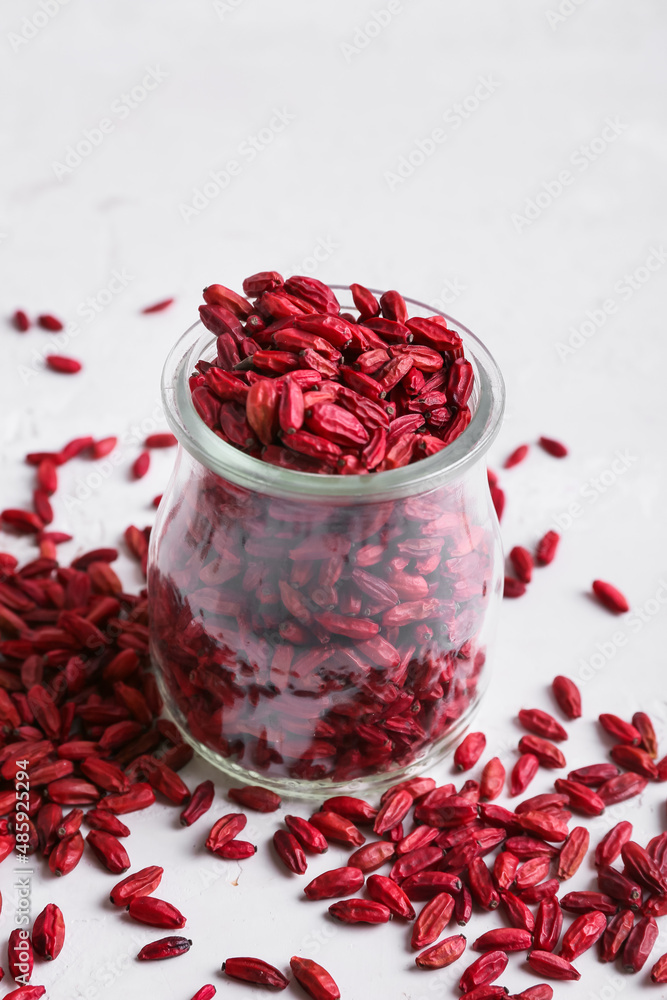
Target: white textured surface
<point>446,233</point>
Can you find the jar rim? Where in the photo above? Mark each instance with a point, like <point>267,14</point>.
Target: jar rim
<point>252,473</point>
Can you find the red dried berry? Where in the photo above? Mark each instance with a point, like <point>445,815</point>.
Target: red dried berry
<point>622,787</point>
<point>542,724</point>
<point>337,828</point>
<point>155,912</point>
<point>544,963</point>
<point>641,866</point>
<point>392,812</point>
<point>26,993</point>
<point>236,850</point>
<point>493,779</point>
<point>469,751</point>
<point>254,797</point>
<point>585,902</point>
<point>141,465</point>
<point>573,852</point>
<point>582,798</point>
<point>205,993</point>
<point>360,911</point>
<point>157,307</point>
<point>372,856</point>
<point>442,954</point>
<point>384,890</point>
<point>567,696</point>
<point>522,563</point>
<point>66,366</point>
<point>610,597</point>
<point>615,935</point>
<point>634,759</point>
<point>620,729</point>
<point>338,882</point>
<point>351,808</point>
<point>504,939</point>
<point>432,920</point>
<point>200,802</point>
<point>167,947</point>
<point>517,456</point>
<point>48,932</point>
<point>639,944</point>
<point>513,588</point>
<point>548,924</point>
<point>609,848</point>
<point>160,441</point>
<point>484,970</point>
<point>553,447</point>
<point>49,322</point>
<point>314,979</point>
<point>224,830</point>
<point>547,754</point>
<point>109,850</point>
<point>290,851</point>
<point>545,551</point>
<point>66,854</point>
<point>309,836</point>
<point>659,970</point>
<point>642,722</point>
<point>20,954</point>
<point>523,773</point>
<point>498,500</point>
<point>21,321</point>
<point>582,934</point>
<point>255,970</point>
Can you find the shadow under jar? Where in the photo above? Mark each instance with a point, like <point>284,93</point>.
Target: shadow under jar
<point>317,632</point>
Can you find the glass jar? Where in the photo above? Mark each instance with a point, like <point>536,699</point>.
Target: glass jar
<point>318,632</point>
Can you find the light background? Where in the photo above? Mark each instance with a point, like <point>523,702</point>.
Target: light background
<point>453,231</point>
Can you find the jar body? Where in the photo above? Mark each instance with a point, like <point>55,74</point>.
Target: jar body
<point>309,643</point>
